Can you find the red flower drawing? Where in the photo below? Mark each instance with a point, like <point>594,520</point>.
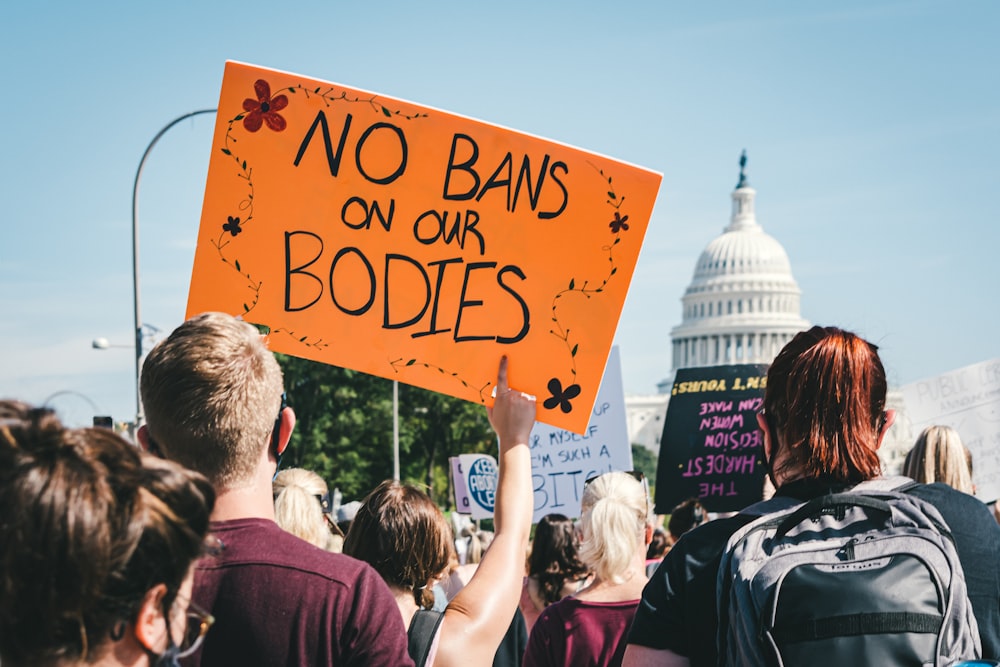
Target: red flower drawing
<point>264,109</point>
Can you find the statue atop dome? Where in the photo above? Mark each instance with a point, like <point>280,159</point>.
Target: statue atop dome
<point>743,175</point>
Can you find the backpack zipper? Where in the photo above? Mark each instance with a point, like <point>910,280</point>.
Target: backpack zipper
<point>846,552</point>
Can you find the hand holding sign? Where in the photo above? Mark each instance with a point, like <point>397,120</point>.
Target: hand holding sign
<point>513,413</point>
<point>512,417</point>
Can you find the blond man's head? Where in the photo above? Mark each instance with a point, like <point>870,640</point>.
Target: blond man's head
<point>211,392</point>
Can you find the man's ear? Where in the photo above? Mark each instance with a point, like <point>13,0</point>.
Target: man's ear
<point>151,623</point>
<point>142,435</point>
<point>890,419</point>
<point>285,429</point>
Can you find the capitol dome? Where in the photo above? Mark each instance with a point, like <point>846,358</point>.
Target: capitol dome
<point>742,305</point>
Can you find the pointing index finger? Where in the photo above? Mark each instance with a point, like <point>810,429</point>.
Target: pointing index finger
<point>502,376</point>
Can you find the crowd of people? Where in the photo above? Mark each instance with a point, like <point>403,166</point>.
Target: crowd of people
<point>194,549</point>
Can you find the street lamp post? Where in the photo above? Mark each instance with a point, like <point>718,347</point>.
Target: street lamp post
<point>395,430</point>
<point>47,403</point>
<point>135,258</point>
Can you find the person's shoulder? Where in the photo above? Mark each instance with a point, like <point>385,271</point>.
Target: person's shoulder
<point>954,505</point>
<point>942,495</point>
<point>554,615</point>
<point>708,539</point>
<point>262,544</point>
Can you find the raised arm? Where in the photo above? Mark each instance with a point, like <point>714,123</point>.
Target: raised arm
<point>477,619</point>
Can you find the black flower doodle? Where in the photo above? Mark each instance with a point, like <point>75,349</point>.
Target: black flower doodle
<point>588,289</point>
<point>619,224</point>
<point>233,226</point>
<point>561,397</point>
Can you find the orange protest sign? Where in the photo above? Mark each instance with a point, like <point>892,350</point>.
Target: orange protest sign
<point>415,244</point>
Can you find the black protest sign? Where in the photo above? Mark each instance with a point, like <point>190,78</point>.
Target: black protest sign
<point>712,448</point>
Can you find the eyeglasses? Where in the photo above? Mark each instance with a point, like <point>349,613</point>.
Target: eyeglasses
<point>199,621</point>
<point>332,525</point>
<point>637,475</point>
<point>325,502</point>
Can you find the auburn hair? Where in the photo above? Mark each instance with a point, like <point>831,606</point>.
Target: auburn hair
<point>825,405</point>
<point>400,532</point>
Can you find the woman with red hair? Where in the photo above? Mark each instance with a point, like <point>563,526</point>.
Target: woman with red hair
<point>824,419</point>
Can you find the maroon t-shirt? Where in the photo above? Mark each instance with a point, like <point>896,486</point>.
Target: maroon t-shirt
<point>278,600</point>
<point>577,633</point>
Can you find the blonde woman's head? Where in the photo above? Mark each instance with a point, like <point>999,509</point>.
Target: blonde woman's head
<point>298,506</point>
<point>615,513</point>
<point>940,456</point>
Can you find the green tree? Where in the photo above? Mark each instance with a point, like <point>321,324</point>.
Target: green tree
<point>344,429</point>
<point>438,427</point>
<point>644,461</point>
<point>344,424</point>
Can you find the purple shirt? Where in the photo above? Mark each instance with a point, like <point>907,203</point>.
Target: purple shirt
<point>578,633</point>
<point>278,600</point>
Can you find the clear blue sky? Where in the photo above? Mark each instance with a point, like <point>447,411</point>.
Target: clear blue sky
<point>872,129</point>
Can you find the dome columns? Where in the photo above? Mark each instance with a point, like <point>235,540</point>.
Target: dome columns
<point>728,348</point>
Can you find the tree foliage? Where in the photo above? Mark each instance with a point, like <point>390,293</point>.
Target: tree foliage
<point>344,429</point>
<point>645,461</point>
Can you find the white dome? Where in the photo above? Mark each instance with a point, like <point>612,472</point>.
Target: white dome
<point>742,305</point>
<point>742,253</point>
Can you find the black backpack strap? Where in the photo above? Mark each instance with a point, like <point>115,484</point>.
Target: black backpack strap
<point>420,635</point>
<point>851,625</point>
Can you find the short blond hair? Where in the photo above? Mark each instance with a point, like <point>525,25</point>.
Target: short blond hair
<point>614,513</point>
<point>212,391</point>
<point>940,456</point>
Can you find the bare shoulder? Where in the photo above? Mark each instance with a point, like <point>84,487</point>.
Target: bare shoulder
<point>644,656</point>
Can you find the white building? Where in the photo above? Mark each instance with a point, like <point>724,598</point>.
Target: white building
<point>741,307</point>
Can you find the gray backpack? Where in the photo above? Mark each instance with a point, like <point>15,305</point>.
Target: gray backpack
<point>869,577</point>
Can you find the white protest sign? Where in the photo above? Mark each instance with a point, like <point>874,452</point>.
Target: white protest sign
<point>462,502</point>
<point>561,461</point>
<point>968,400</point>
<point>475,484</point>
